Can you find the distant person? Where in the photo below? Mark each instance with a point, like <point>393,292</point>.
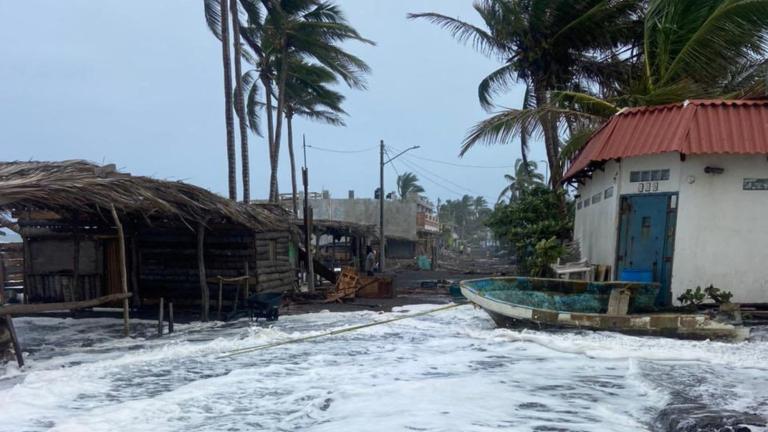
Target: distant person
<point>370,261</point>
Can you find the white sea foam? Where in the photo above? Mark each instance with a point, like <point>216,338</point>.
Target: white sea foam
<point>451,371</point>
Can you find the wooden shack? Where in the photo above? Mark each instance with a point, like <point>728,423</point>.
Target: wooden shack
<point>89,231</point>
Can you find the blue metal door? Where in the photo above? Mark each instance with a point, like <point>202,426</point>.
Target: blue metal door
<point>647,238</point>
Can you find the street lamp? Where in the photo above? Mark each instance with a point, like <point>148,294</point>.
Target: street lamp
<point>382,241</point>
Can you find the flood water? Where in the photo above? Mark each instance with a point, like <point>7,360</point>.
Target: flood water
<point>450,371</point>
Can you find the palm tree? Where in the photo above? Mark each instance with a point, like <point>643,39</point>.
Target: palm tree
<point>525,177</point>
<point>547,45</point>
<point>308,96</point>
<point>287,29</point>
<point>478,204</point>
<point>408,183</point>
<point>216,15</point>
<point>240,102</point>
<point>689,50</point>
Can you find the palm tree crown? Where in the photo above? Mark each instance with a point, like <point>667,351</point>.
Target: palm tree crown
<point>408,183</point>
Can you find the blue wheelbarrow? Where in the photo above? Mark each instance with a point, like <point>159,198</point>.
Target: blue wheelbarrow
<point>265,305</point>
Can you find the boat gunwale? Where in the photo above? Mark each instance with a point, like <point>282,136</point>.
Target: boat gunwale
<point>703,326</point>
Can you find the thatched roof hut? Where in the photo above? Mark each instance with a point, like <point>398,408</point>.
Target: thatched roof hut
<point>89,231</point>
<point>78,186</point>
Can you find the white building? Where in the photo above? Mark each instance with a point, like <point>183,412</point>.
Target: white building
<point>679,192</point>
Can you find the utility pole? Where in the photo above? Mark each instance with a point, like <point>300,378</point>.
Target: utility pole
<point>308,231</point>
<point>382,240</point>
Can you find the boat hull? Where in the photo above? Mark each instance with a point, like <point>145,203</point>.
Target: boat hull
<point>684,326</point>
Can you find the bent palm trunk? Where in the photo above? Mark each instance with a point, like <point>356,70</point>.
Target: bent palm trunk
<point>240,104</point>
<point>294,198</point>
<point>230,121</point>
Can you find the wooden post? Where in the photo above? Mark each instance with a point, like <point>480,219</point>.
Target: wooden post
<point>247,283</point>
<point>308,231</point>
<point>2,277</point>
<point>75,267</point>
<point>160,317</point>
<point>237,296</point>
<point>123,271</point>
<point>201,271</point>
<point>333,252</point>
<point>15,341</point>
<point>135,271</point>
<point>221,288</point>
<point>27,269</point>
<point>170,317</point>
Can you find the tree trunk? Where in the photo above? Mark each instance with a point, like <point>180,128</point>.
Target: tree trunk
<point>294,194</point>
<point>279,120</point>
<point>270,130</point>
<point>240,103</point>
<point>551,139</point>
<point>204,295</point>
<point>230,121</point>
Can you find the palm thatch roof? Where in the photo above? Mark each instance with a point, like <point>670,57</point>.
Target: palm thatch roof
<point>84,187</point>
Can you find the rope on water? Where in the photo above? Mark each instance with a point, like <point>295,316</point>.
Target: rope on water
<point>336,332</point>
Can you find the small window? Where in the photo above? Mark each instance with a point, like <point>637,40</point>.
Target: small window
<point>586,203</point>
<point>596,198</point>
<point>649,175</point>
<point>578,205</point>
<point>608,192</point>
<point>273,250</point>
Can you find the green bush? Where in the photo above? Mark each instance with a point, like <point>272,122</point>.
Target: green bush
<point>537,215</point>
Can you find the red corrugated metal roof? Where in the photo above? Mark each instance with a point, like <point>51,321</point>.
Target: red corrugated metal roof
<point>694,127</point>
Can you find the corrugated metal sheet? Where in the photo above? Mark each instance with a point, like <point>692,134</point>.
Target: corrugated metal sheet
<point>695,127</point>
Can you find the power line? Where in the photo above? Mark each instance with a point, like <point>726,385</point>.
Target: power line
<point>460,165</point>
<point>429,179</point>
<point>443,178</point>
<point>341,151</point>
<point>391,162</point>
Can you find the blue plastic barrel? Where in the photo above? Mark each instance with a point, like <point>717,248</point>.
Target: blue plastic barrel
<point>631,275</point>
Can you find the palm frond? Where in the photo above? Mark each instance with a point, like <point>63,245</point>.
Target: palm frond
<point>464,32</point>
<point>497,82</point>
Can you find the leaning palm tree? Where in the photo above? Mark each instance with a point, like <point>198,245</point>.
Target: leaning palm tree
<point>308,96</point>
<point>546,45</point>
<point>408,183</point>
<point>690,49</point>
<point>216,15</point>
<point>303,29</point>
<point>524,178</point>
<point>240,101</point>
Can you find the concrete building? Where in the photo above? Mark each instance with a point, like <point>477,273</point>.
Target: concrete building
<point>680,193</point>
<point>409,223</point>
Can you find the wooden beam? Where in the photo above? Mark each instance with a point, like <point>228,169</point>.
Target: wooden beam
<point>135,271</point>
<point>205,297</point>
<point>23,309</point>
<point>75,266</point>
<point>160,317</point>
<point>123,271</point>
<point>15,341</point>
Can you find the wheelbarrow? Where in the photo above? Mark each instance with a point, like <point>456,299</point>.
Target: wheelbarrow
<point>265,305</point>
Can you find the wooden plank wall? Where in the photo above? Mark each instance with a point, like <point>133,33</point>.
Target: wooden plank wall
<point>12,260</point>
<point>168,261</point>
<point>50,271</point>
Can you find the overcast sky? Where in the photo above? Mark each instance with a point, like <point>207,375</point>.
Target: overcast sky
<point>139,84</point>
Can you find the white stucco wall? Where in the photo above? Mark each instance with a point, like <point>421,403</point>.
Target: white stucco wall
<point>595,226</point>
<point>722,230</point>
